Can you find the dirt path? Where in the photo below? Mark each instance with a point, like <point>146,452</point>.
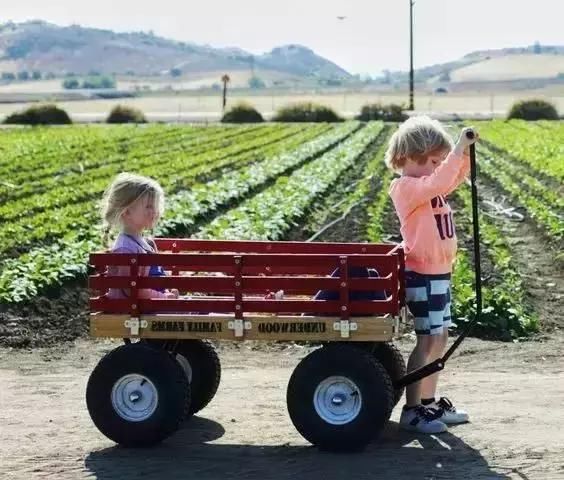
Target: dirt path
<point>514,393</point>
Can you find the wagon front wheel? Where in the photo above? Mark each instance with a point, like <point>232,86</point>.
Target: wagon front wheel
<point>137,395</point>
<point>339,397</point>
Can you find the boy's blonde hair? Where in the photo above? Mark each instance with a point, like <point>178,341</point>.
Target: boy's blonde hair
<point>416,138</point>
<point>123,192</point>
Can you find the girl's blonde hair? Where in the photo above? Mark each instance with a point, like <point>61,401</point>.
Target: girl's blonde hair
<point>416,138</point>
<point>123,192</point>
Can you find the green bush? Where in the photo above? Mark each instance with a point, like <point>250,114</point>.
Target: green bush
<point>242,113</point>
<point>535,109</point>
<point>256,83</point>
<point>71,84</point>
<point>125,114</point>
<point>377,111</point>
<point>306,112</point>
<point>40,115</point>
<point>99,81</point>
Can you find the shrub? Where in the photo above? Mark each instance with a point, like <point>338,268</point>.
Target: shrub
<point>125,114</point>
<point>535,109</point>
<point>376,111</point>
<point>99,81</point>
<point>306,112</point>
<point>40,115</point>
<point>256,83</point>
<point>242,113</point>
<point>71,84</point>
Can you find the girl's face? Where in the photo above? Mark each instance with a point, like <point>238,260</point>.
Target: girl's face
<point>141,215</point>
<point>415,169</point>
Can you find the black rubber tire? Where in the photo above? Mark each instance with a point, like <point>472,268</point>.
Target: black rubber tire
<point>204,365</point>
<point>169,380</point>
<point>206,372</point>
<point>374,386</point>
<point>392,360</point>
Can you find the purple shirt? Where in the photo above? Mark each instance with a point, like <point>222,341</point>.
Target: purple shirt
<point>126,243</point>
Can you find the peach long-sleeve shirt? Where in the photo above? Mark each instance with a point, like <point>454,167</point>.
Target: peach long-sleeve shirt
<point>427,225</point>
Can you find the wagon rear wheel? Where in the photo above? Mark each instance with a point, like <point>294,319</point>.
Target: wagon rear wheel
<point>339,397</point>
<point>201,364</point>
<point>392,360</point>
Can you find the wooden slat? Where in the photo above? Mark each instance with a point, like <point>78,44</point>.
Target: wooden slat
<point>195,261</point>
<point>263,327</point>
<point>227,305</point>
<point>244,246</point>
<point>249,283</point>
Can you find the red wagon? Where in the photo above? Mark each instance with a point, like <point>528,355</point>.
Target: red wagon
<point>346,297</point>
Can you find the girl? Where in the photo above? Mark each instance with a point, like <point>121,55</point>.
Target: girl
<point>133,204</point>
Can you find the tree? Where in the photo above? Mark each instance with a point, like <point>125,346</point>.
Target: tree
<point>8,76</point>
<point>23,75</point>
<point>70,84</point>
<point>175,72</point>
<point>36,75</point>
<point>445,77</point>
<point>256,83</point>
<point>225,79</point>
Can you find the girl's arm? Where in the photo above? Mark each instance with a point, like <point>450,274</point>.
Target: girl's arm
<point>124,271</point>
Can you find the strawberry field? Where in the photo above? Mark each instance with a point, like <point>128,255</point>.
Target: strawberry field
<point>326,182</point>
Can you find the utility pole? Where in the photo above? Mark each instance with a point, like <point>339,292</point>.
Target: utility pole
<point>411,104</point>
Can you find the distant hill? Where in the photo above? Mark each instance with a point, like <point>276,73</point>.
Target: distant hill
<point>502,65</point>
<point>37,45</point>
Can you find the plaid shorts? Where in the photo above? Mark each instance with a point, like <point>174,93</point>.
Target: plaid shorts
<point>428,298</point>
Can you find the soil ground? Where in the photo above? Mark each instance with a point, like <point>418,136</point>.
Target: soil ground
<point>514,393</point>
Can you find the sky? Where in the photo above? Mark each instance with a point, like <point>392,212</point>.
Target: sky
<point>373,37</point>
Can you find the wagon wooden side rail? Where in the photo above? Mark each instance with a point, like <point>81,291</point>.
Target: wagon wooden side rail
<point>223,286</point>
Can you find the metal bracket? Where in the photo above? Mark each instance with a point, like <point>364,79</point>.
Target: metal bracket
<point>239,326</point>
<point>134,324</point>
<point>345,327</point>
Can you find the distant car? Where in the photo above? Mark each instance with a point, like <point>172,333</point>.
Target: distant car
<point>441,90</point>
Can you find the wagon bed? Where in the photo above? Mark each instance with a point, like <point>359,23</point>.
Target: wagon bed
<point>227,282</point>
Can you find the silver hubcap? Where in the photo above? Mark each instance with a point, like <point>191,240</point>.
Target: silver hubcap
<point>134,397</point>
<point>337,400</point>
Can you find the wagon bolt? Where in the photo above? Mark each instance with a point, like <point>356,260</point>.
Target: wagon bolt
<point>174,245</point>
<point>237,284</point>
<point>237,261</point>
<point>343,284</point>
<point>343,261</point>
<point>133,284</point>
<point>337,400</point>
<point>133,260</point>
<point>343,308</point>
<point>237,307</point>
<point>364,249</point>
<point>134,306</point>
